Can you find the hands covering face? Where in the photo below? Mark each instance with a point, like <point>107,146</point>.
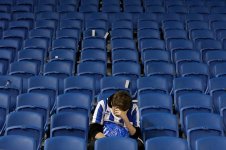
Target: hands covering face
<point>119,113</point>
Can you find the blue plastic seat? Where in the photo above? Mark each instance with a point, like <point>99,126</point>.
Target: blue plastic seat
<point>10,45</point>
<point>65,43</point>
<point>46,24</point>
<point>179,44</point>
<point>74,102</point>
<point>124,55</point>
<point>163,69</point>
<point>195,69</point>
<point>4,110</point>
<point>152,84</point>
<point>154,102</point>
<point>45,85</point>
<point>69,124</point>
<point>159,124</point>
<point>72,16</point>
<point>199,125</point>
<point>170,25</point>
<point>121,33</point>
<point>68,33</point>
<point>88,8</point>
<point>160,143</point>
<point>17,142</point>
<point>219,69</point>
<point>64,142</point>
<point>35,102</point>
<point>94,43</point>
<point>122,44</point>
<point>80,84</point>
<point>36,43</point>
<point>11,86</point>
<point>71,24</point>
<point>95,70</point>
<point>59,70</point>
<point>216,88</point>
<point>184,85</point>
<point>155,56</point>
<point>183,56</point>
<point>114,143</point>
<point>122,24</point>
<point>189,103</point>
<point>64,56</point>
<point>207,45</point>
<point>213,58</point>
<point>147,34</point>
<point>28,124</point>
<point>110,85</point>
<point>210,143</point>
<point>155,44</point>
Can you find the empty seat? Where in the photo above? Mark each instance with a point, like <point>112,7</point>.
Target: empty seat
<point>199,125</point>
<point>32,55</point>
<point>184,85</point>
<point>95,70</point>
<point>10,45</point>
<point>4,109</point>
<point>28,124</point>
<point>160,143</point>
<point>11,86</point>
<point>155,56</point>
<point>65,142</point>
<point>69,124</point>
<point>124,55</point>
<point>193,103</point>
<point>114,143</point>
<point>195,69</point>
<point>210,143</point>
<point>163,69</point>
<point>96,55</point>
<point>35,102</point>
<point>74,102</point>
<point>154,102</point>
<point>183,56</point>
<point>153,84</point>
<point>121,33</point>
<point>131,70</point>
<point>159,124</point>
<point>45,85</point>
<point>17,142</point>
<point>216,88</point>
<point>155,44</point>
<point>65,43</point>
<point>80,84</point>
<point>122,43</point>
<point>94,43</point>
<point>179,44</point>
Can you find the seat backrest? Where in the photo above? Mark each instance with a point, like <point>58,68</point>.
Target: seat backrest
<point>115,143</point>
<point>65,142</point>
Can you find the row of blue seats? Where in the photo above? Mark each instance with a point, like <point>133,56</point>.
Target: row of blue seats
<point>31,124</point>
<point>108,85</point>
<point>15,142</point>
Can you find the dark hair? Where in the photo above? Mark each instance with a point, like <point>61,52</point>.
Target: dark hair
<point>122,100</point>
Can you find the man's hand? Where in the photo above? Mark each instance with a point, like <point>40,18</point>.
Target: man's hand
<point>120,113</point>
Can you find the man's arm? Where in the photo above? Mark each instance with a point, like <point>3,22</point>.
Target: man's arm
<point>123,115</point>
<point>96,131</point>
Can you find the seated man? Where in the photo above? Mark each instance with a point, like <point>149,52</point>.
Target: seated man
<point>116,116</point>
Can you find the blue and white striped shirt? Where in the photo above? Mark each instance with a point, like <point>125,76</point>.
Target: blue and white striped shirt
<point>103,113</point>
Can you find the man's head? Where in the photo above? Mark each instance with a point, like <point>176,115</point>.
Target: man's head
<point>121,100</point>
